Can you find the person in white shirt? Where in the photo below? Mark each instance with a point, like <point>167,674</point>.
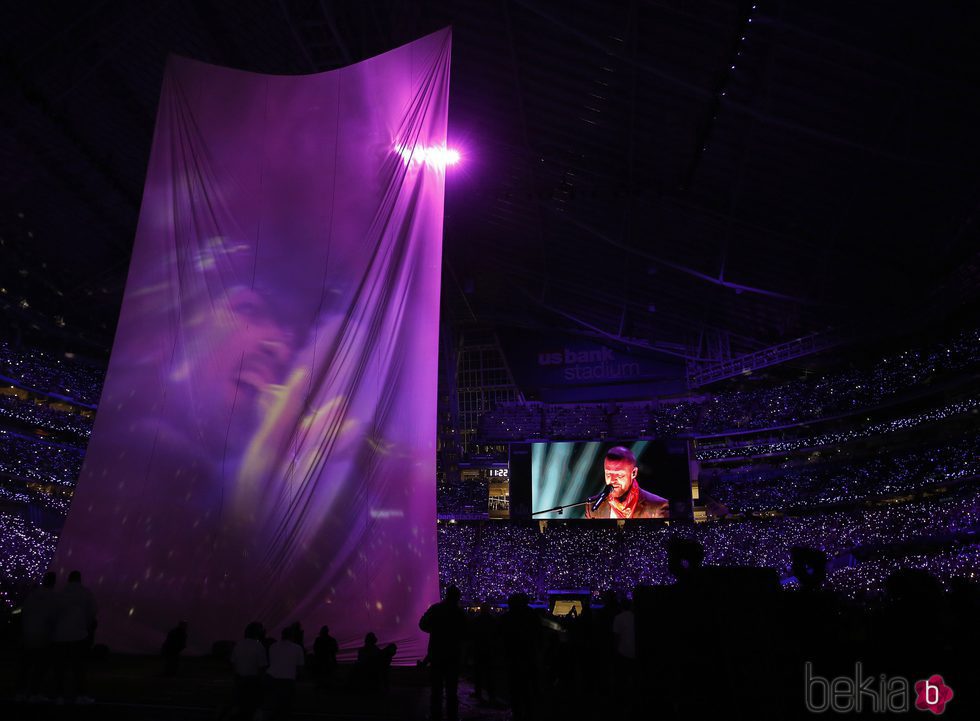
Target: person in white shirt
<point>74,631</point>
<point>249,660</point>
<point>286,658</point>
<point>624,635</point>
<point>624,629</point>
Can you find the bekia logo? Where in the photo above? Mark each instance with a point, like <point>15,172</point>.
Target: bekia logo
<point>932,694</point>
<point>881,694</point>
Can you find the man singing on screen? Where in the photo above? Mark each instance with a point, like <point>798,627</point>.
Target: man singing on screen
<point>626,499</point>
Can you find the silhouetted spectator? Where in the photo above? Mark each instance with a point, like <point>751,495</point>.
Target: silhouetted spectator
<point>914,601</point>
<point>370,673</point>
<point>624,659</point>
<point>73,636</point>
<point>580,641</point>
<point>624,632</point>
<point>445,624</point>
<point>387,656</point>
<point>684,557</point>
<point>39,614</point>
<point>603,648</point>
<point>172,647</point>
<point>484,631</point>
<point>520,627</point>
<point>325,649</point>
<point>369,652</point>
<point>296,634</point>
<point>286,658</point>
<point>809,565</point>
<point>249,659</point>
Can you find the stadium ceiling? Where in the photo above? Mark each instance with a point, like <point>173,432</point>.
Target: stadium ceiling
<point>661,172</point>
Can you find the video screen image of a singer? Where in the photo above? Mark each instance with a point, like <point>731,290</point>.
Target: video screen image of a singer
<point>622,480</point>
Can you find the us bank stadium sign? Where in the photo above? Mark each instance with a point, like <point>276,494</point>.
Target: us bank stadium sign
<point>589,365</point>
<point>571,369</point>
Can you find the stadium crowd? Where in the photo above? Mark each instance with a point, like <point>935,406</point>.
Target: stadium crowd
<point>820,481</point>
<point>563,421</point>
<point>31,459</point>
<point>13,496</point>
<point>46,373</point>
<point>773,406</point>
<point>27,551</point>
<point>25,499</point>
<point>867,579</point>
<point>462,499</point>
<point>42,415</point>
<point>492,560</point>
<point>841,392</point>
<point>949,411</point>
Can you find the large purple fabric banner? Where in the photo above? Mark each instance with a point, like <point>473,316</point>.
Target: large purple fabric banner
<point>265,444</point>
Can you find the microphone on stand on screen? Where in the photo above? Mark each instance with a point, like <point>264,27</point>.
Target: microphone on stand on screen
<point>600,497</point>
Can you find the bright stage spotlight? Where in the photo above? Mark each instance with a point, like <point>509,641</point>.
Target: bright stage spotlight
<point>438,157</point>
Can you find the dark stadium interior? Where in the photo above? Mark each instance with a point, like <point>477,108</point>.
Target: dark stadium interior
<point>808,176</point>
<point>762,219</point>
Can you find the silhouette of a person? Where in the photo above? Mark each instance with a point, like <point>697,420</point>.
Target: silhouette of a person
<point>249,659</point>
<point>325,649</point>
<point>286,658</point>
<point>172,647</point>
<point>38,616</point>
<point>445,623</point>
<point>520,628</point>
<point>484,631</point>
<point>74,632</point>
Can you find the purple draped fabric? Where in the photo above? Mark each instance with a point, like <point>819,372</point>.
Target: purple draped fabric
<point>265,443</point>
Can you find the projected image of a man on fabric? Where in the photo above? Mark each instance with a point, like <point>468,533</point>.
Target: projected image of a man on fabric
<point>265,444</point>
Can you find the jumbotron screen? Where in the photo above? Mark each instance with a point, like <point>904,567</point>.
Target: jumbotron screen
<point>613,480</point>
